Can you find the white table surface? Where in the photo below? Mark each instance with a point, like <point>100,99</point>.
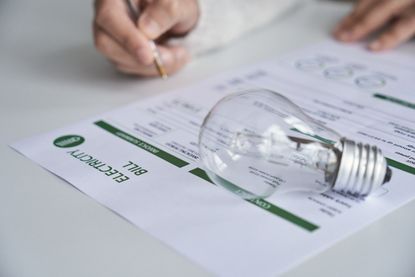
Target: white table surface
<point>50,76</point>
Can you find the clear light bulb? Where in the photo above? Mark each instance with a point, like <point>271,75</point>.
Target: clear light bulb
<point>257,142</point>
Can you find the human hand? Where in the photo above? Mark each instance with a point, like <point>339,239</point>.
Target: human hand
<point>368,16</point>
<point>125,42</point>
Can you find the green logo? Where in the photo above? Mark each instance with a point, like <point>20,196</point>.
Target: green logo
<point>68,141</point>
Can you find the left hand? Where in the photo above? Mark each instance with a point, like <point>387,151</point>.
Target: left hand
<point>368,16</point>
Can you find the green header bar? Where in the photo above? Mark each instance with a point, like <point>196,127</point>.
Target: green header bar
<point>400,166</point>
<point>267,206</point>
<point>142,144</point>
<point>395,100</point>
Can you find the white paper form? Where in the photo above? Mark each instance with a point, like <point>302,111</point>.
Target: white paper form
<point>141,161</point>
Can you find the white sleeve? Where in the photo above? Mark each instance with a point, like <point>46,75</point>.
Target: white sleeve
<point>222,21</point>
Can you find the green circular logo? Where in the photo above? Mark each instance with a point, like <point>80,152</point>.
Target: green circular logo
<point>68,141</point>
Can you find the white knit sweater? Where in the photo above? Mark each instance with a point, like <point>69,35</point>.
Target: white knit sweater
<point>222,21</point>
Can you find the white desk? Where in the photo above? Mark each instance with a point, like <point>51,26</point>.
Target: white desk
<point>51,76</point>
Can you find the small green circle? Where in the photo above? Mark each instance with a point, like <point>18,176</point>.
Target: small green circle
<point>68,141</point>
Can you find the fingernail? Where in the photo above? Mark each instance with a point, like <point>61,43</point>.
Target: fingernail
<point>376,45</point>
<point>144,56</point>
<point>151,28</point>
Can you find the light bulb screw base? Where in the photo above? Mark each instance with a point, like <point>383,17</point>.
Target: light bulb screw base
<point>362,168</point>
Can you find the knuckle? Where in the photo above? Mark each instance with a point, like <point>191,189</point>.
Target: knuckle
<point>398,31</point>
<point>394,34</point>
<point>358,30</point>
<point>367,22</point>
<point>171,7</point>
<point>101,42</point>
<point>104,15</point>
<point>130,42</point>
<point>389,37</point>
<point>410,20</point>
<point>97,4</point>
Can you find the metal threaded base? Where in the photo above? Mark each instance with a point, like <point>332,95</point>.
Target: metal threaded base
<point>362,169</point>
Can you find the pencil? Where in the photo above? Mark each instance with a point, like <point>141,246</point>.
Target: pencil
<point>158,61</point>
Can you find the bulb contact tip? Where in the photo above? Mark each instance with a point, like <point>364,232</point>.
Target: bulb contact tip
<point>388,175</point>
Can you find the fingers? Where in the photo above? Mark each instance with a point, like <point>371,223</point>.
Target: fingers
<point>400,32</point>
<point>160,16</point>
<point>370,18</point>
<point>112,50</point>
<point>174,58</point>
<point>360,8</point>
<point>112,17</point>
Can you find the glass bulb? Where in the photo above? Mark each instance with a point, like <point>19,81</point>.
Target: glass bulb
<point>257,142</point>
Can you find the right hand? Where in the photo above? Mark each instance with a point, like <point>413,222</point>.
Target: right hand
<point>125,42</point>
<point>395,17</point>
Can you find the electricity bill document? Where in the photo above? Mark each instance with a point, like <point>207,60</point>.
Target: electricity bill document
<point>142,162</point>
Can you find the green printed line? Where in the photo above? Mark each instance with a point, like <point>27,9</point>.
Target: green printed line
<point>142,144</point>
<point>395,100</point>
<point>267,206</point>
<point>201,174</point>
<point>285,214</point>
<point>400,166</point>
